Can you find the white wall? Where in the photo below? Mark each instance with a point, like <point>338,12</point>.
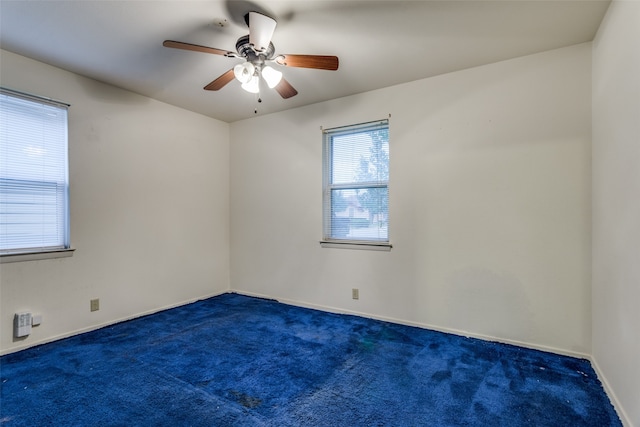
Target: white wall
<point>149,189</point>
<point>489,204</point>
<point>616,205</point>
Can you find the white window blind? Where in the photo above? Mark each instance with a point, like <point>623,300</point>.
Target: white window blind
<point>356,179</point>
<point>33,174</point>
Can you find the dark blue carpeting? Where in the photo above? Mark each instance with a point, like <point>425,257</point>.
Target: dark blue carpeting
<point>233,360</point>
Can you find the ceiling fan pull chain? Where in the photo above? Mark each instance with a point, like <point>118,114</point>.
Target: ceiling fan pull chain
<point>259,100</point>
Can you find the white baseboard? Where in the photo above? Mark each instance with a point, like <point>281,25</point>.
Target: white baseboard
<point>107,323</point>
<point>420,325</point>
<point>626,421</point>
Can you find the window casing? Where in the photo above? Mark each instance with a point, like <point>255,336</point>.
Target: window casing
<point>34,179</point>
<point>356,184</point>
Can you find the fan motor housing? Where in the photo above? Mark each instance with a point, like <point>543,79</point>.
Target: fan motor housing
<point>246,50</point>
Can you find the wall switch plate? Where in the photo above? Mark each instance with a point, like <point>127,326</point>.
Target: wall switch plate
<point>355,293</point>
<point>21,324</point>
<point>95,304</point>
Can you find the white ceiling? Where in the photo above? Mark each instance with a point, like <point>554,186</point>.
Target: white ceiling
<point>379,43</point>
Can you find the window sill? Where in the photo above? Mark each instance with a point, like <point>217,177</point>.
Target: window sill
<point>367,246</point>
<point>34,256</point>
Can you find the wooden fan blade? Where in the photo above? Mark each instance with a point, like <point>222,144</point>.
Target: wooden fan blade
<point>194,47</point>
<point>320,62</point>
<point>221,81</point>
<point>285,89</point>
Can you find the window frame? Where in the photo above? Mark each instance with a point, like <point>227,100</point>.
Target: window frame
<point>52,251</point>
<point>328,241</point>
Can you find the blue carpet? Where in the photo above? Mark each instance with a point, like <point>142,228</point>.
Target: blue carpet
<point>233,360</point>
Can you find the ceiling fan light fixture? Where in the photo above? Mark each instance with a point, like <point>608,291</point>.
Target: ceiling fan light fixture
<point>271,76</point>
<point>253,85</point>
<point>257,50</point>
<point>244,72</point>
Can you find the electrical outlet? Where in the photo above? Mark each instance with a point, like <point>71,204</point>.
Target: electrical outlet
<point>95,304</point>
<point>36,319</point>
<point>355,293</point>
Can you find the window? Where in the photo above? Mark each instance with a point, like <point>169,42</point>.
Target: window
<point>34,185</point>
<point>356,184</point>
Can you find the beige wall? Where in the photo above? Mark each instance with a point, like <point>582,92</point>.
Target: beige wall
<point>616,205</point>
<point>149,197</point>
<point>489,204</point>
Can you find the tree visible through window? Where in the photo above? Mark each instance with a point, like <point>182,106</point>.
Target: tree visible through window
<point>356,179</point>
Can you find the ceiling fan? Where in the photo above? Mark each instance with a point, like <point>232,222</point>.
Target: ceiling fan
<point>258,52</point>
